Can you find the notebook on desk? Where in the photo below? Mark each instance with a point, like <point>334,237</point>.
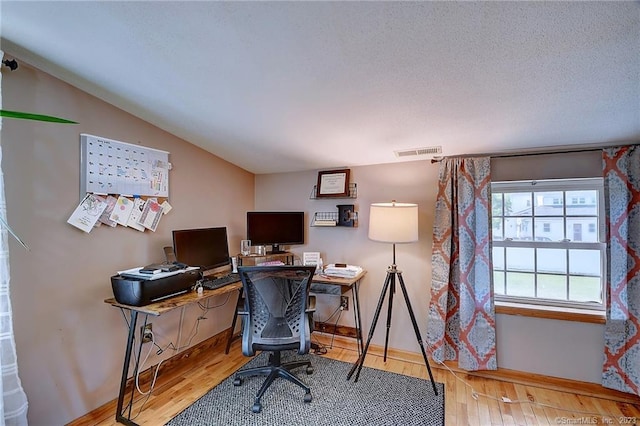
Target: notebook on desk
<point>155,268</point>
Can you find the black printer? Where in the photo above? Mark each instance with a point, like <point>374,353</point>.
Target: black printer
<point>140,291</point>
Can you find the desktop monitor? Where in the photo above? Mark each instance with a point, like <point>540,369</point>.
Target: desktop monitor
<point>275,229</point>
<point>205,247</point>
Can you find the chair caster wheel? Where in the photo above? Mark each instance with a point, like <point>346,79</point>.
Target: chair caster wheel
<point>257,407</point>
<point>309,370</point>
<point>307,397</point>
<point>237,381</point>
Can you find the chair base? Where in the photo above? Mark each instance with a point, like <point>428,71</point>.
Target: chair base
<point>272,371</point>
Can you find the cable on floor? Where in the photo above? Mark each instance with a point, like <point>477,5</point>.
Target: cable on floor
<point>475,394</point>
<point>321,348</point>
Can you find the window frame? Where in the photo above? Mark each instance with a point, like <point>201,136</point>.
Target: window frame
<point>564,185</point>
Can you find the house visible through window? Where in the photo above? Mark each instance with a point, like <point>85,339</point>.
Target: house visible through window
<point>545,246</point>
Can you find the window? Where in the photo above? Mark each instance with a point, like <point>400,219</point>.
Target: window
<point>541,252</point>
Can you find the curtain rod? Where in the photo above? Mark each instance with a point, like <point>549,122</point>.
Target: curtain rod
<point>525,154</point>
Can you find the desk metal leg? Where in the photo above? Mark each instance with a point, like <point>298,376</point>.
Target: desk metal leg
<point>125,372</point>
<point>356,316</point>
<point>233,322</point>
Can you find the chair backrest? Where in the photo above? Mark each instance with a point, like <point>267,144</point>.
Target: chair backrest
<point>275,311</point>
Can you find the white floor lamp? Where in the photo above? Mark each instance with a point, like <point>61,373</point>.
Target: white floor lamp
<point>392,223</point>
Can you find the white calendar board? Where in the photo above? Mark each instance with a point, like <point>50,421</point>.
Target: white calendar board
<point>112,167</point>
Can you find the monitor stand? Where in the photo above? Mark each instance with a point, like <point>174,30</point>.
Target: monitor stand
<point>275,249</point>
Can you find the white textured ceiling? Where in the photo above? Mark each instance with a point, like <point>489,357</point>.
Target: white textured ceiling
<point>285,86</point>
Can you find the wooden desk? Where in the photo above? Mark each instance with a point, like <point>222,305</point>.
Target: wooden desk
<point>321,284</point>
<point>155,309</point>
<point>324,284</point>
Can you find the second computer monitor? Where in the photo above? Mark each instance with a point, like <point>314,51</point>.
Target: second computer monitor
<point>206,248</point>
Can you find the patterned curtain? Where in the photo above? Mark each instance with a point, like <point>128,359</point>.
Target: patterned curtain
<point>621,170</point>
<point>461,311</point>
<point>13,405</point>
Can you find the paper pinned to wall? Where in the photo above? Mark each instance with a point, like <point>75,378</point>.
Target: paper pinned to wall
<point>122,211</point>
<point>88,212</point>
<point>151,215</point>
<point>104,217</point>
<point>136,212</point>
<point>166,207</point>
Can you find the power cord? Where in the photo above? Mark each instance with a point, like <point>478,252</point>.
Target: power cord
<point>321,348</point>
<point>170,345</point>
<point>138,368</point>
<point>475,394</point>
<point>160,350</point>
<point>205,309</point>
<point>155,375</point>
<point>335,326</point>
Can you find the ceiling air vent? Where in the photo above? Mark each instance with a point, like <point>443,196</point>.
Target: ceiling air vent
<point>418,152</point>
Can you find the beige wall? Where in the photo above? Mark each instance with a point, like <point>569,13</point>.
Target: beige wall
<point>550,347</point>
<point>70,344</point>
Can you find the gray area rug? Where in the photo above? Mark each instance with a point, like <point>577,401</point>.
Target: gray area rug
<point>378,398</point>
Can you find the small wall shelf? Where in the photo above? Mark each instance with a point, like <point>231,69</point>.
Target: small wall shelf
<point>256,259</point>
<point>353,193</point>
<point>332,219</point>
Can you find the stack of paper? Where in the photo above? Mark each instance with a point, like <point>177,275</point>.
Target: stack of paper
<point>324,222</point>
<point>271,263</point>
<point>348,271</point>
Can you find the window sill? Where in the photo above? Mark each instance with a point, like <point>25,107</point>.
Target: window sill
<point>547,312</point>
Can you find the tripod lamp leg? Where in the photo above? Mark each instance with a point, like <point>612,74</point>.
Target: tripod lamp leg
<point>389,308</point>
<point>358,364</point>
<point>417,330</point>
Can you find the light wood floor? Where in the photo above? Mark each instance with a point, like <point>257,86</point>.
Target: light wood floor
<point>469,400</point>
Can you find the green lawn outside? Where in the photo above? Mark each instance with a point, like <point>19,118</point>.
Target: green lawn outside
<point>581,288</point>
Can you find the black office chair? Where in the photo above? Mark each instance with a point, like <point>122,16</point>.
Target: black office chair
<point>277,316</point>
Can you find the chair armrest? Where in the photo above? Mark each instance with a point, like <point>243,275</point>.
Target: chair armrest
<point>312,304</point>
<point>241,306</point>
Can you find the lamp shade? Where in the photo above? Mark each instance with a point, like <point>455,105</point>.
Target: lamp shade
<point>393,222</point>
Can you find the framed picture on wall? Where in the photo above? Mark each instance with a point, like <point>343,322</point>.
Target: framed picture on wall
<point>333,183</point>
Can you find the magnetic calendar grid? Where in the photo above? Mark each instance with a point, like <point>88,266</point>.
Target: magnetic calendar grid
<point>112,167</point>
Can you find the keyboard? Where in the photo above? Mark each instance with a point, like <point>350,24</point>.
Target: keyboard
<point>212,283</point>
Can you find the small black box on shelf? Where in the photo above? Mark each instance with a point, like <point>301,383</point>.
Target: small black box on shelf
<point>345,212</point>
